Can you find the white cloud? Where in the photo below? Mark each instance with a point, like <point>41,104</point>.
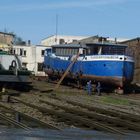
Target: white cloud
<point>60,5</point>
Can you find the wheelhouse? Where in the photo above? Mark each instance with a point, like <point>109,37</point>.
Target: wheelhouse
<point>91,49</point>
<point>108,49</point>
<point>66,50</point>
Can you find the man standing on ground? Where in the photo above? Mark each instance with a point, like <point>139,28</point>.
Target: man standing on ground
<point>89,87</point>
<point>98,88</point>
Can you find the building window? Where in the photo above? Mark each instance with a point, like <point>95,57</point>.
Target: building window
<point>40,67</point>
<point>21,52</point>
<point>14,51</point>
<point>24,65</point>
<point>74,40</point>
<point>24,53</point>
<point>61,41</point>
<point>42,52</point>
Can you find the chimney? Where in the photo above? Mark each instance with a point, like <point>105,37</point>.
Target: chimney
<point>29,42</point>
<point>115,40</point>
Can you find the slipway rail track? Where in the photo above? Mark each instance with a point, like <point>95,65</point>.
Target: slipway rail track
<point>73,118</point>
<point>98,117</point>
<point>113,113</point>
<point>14,122</point>
<point>92,118</point>
<point>24,115</point>
<point>78,111</point>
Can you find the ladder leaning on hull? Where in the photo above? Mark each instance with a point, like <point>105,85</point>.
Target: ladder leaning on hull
<point>67,70</point>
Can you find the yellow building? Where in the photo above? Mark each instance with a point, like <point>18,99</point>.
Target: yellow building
<point>6,40</point>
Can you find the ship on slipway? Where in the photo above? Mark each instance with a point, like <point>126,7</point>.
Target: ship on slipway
<point>110,64</point>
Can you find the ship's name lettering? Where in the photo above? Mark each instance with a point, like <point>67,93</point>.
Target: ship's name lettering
<point>113,57</point>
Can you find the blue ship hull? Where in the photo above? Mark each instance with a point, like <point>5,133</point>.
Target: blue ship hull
<point>118,72</point>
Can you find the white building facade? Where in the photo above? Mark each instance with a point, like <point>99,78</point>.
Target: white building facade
<point>32,58</point>
<point>33,55</point>
<point>60,39</point>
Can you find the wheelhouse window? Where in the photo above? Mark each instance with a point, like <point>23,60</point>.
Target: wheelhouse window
<point>106,50</point>
<point>93,50</point>
<point>66,51</point>
<point>120,50</point>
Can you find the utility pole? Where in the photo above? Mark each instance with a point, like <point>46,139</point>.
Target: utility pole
<point>56,29</point>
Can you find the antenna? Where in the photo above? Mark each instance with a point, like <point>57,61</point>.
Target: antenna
<point>5,30</point>
<point>56,28</point>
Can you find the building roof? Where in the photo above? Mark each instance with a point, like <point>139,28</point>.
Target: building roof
<point>88,44</point>
<point>63,36</point>
<point>134,39</point>
<point>7,33</point>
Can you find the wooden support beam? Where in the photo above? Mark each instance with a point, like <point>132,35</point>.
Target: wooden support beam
<point>67,70</point>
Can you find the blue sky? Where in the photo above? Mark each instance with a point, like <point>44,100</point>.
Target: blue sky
<point>36,19</point>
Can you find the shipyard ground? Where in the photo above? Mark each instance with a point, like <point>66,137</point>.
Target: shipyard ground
<point>69,107</point>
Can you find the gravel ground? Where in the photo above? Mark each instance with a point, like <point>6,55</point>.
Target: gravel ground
<point>74,94</point>
<point>82,97</point>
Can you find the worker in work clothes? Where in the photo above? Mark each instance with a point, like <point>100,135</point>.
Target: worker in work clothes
<point>98,88</point>
<point>89,87</point>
